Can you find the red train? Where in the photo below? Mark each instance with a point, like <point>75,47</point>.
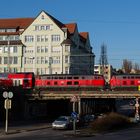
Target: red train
<point>55,82</point>
<point>68,82</point>
<point>125,82</point>
<point>23,80</point>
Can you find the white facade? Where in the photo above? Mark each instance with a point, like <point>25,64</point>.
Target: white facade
<point>44,45</point>
<point>49,49</point>
<point>106,71</point>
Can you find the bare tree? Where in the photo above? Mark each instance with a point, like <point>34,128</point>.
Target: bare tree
<point>127,66</point>
<point>136,67</point>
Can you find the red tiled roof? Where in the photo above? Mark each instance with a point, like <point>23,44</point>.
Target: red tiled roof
<point>71,27</point>
<point>14,42</point>
<point>16,22</point>
<point>84,35</point>
<point>9,33</point>
<point>60,24</point>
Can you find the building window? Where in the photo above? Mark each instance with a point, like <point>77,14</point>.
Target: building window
<point>46,49</point>
<point>0,60</point>
<point>1,38</point>
<point>55,49</point>
<point>55,38</point>
<point>29,38</point>
<point>5,49</point>
<point>42,38</point>
<point>15,60</point>
<point>56,60</point>
<point>11,30</point>
<point>14,49</point>
<point>66,59</point>
<point>16,37</point>
<point>42,27</point>
<point>1,48</point>
<point>5,60</point>
<point>66,70</point>
<point>67,48</point>
<point>46,60</point>
<point>2,30</point>
<point>42,60</point>
<point>38,49</point>
<point>42,17</point>
<point>5,69</point>
<point>38,60</point>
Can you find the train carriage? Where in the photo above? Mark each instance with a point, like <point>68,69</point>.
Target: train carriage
<point>70,82</point>
<point>125,82</point>
<point>23,80</point>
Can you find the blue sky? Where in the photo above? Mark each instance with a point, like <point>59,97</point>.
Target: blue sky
<point>115,23</point>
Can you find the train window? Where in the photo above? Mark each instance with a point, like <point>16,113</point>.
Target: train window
<point>69,83</point>
<point>132,77</point>
<point>48,77</point>
<point>124,82</point>
<point>48,83</point>
<point>55,77</point>
<point>69,77</point>
<point>76,83</point>
<point>124,77</point>
<point>61,78</point>
<point>76,77</point>
<point>96,77</point>
<point>132,82</point>
<point>55,83</point>
<point>83,77</point>
<point>26,82</point>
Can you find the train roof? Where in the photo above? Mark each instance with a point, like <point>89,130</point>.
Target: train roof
<point>127,74</point>
<point>67,76</point>
<point>70,75</point>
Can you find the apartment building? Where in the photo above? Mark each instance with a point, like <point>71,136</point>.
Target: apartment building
<point>44,45</point>
<point>11,54</point>
<point>106,71</point>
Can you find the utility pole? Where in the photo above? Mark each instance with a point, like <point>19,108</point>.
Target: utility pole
<point>103,59</point>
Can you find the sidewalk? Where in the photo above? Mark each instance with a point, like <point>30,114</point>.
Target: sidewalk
<point>19,127</point>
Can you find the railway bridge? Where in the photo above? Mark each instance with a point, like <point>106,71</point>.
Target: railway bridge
<point>57,103</point>
<point>84,101</point>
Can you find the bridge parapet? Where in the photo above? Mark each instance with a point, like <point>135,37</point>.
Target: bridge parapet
<point>47,95</point>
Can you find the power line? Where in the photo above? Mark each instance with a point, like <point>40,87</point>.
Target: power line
<point>102,21</point>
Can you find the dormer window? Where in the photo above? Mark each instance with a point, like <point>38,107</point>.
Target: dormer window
<point>11,30</point>
<point>42,17</point>
<point>2,30</point>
